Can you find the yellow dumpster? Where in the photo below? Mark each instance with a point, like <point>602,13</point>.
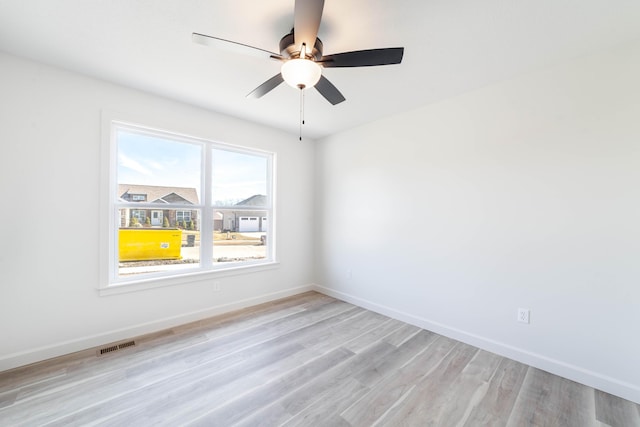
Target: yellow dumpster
<point>140,244</point>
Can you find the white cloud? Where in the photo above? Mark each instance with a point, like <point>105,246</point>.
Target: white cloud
<point>129,163</point>
<point>155,165</point>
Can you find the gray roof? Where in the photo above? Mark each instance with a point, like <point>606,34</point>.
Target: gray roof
<point>160,194</point>
<point>256,200</point>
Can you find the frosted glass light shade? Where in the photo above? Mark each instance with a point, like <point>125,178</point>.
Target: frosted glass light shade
<point>301,73</point>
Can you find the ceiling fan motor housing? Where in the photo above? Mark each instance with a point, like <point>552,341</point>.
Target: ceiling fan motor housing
<point>288,49</point>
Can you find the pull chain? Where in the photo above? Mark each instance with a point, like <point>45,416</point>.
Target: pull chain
<point>303,55</point>
<point>301,109</point>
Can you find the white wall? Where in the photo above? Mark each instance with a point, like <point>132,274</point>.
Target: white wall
<point>50,133</point>
<point>527,193</point>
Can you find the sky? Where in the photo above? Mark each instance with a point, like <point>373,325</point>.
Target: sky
<point>153,160</point>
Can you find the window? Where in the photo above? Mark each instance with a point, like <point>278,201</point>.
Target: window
<point>139,215</point>
<point>182,205</point>
<point>183,216</point>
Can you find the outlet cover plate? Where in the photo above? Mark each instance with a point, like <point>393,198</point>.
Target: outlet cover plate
<point>523,315</point>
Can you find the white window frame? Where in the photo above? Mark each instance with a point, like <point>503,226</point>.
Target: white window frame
<point>110,283</point>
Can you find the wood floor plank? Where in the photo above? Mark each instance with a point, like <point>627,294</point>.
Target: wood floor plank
<point>428,399</point>
<point>168,401</point>
<point>271,415</point>
<point>389,365</point>
<point>299,398</point>
<point>332,401</point>
<point>220,369</point>
<point>394,388</point>
<point>24,412</point>
<point>345,331</point>
<point>304,360</point>
<point>387,328</point>
<point>494,409</point>
<point>249,318</point>
<point>103,367</point>
<point>253,339</point>
<point>308,393</point>
<point>39,373</point>
<point>280,327</point>
<point>469,388</point>
<point>616,412</point>
<point>309,336</point>
<point>8,398</point>
<point>339,334</point>
<point>546,399</point>
<point>402,334</point>
<point>255,398</point>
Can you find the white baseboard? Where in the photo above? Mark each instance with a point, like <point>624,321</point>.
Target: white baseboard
<point>566,370</point>
<point>15,360</point>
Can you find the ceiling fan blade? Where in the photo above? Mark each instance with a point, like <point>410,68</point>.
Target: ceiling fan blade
<point>266,87</point>
<point>307,16</point>
<point>364,58</point>
<point>329,91</point>
<point>231,46</point>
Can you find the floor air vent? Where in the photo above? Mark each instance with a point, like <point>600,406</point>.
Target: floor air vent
<point>114,347</point>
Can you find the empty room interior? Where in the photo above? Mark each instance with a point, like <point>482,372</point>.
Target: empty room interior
<point>309,212</point>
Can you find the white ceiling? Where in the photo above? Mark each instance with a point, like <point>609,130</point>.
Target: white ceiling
<point>450,47</point>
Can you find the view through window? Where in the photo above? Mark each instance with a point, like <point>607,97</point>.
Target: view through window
<point>183,205</point>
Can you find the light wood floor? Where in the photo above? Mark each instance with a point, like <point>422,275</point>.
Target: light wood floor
<point>307,360</point>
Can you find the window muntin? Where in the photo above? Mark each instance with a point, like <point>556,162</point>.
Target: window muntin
<point>168,172</point>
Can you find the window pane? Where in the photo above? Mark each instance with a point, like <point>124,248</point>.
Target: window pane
<point>145,248</point>
<point>239,236</point>
<point>238,179</point>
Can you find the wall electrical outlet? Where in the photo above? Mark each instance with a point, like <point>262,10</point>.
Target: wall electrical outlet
<point>523,315</point>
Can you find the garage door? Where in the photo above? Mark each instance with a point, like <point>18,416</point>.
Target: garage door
<point>249,223</point>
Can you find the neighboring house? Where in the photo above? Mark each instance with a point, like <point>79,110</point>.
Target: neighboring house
<point>233,219</point>
<point>243,220</point>
<point>158,195</point>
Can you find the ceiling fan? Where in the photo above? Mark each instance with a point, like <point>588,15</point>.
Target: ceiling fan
<point>301,53</point>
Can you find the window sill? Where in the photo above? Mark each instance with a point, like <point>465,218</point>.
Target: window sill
<point>199,276</point>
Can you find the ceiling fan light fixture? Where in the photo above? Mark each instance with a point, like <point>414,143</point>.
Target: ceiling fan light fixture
<point>301,73</point>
